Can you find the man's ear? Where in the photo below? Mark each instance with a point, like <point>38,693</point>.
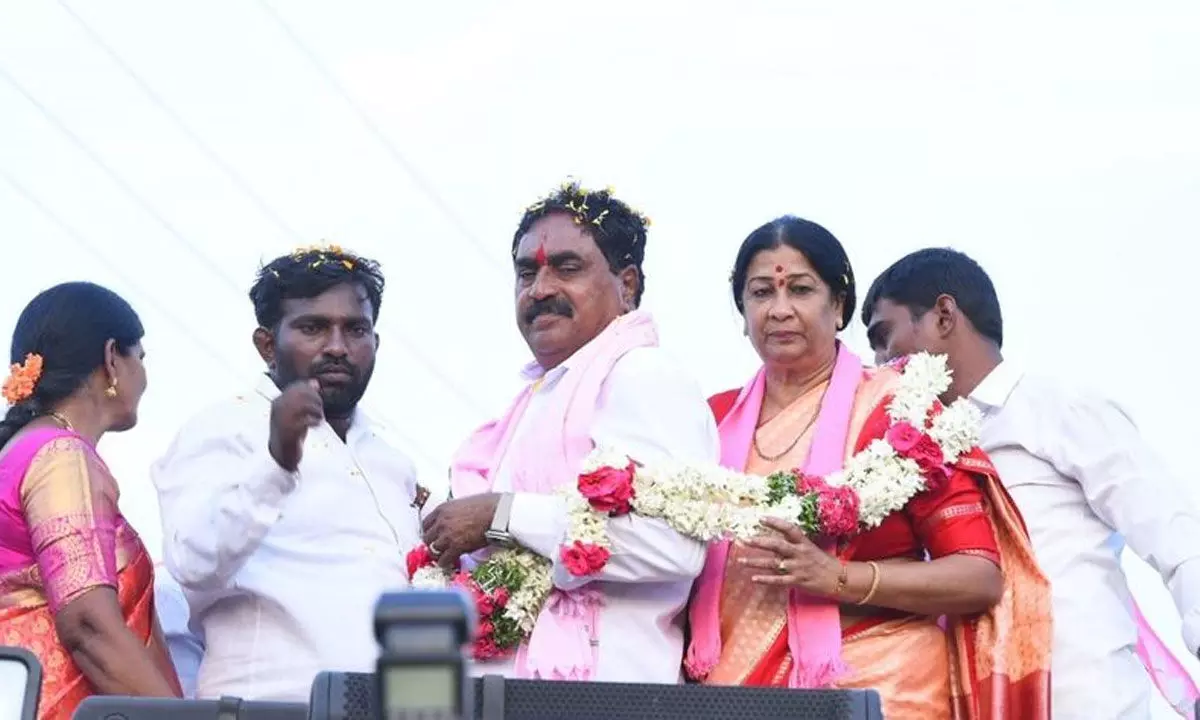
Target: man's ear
<point>629,287</point>
<point>264,342</point>
<point>945,310</point>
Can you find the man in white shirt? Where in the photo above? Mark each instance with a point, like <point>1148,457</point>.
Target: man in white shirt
<point>286,511</point>
<point>1076,467</point>
<point>578,261</point>
<point>185,643</point>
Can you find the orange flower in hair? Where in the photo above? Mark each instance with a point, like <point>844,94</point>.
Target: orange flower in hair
<point>22,379</point>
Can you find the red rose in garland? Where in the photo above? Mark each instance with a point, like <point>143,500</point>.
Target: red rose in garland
<point>582,559</point>
<point>418,558</point>
<point>904,437</point>
<point>609,489</point>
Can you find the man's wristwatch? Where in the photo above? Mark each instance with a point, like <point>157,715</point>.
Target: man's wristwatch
<point>498,533</point>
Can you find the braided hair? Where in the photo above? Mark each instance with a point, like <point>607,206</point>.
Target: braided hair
<point>618,229</point>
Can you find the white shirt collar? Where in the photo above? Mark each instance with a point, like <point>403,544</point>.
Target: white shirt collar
<point>999,384</point>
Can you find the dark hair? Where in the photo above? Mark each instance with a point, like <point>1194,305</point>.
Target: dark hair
<point>618,229</point>
<point>917,279</point>
<point>307,273</point>
<point>68,326</point>
<point>818,245</point>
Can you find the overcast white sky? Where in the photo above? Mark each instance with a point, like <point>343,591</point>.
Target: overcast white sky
<point>164,148</point>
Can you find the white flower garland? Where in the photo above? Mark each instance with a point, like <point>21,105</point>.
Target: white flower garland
<point>884,479</point>
<point>711,502</point>
<point>525,601</point>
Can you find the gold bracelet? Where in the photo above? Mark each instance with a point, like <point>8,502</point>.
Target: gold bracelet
<point>843,578</point>
<point>874,584</point>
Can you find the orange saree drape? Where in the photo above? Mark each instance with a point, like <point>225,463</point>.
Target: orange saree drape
<point>63,684</point>
<point>998,662</point>
<point>1002,657</point>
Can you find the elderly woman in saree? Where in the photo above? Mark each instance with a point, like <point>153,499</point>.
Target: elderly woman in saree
<point>939,606</point>
<point>76,583</point>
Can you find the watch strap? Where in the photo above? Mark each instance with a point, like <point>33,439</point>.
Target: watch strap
<point>503,511</point>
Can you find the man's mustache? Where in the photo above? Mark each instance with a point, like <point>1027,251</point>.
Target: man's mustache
<point>336,366</point>
<point>553,305</point>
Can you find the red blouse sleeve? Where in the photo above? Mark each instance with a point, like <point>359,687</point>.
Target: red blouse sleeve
<point>950,520</point>
<point>953,519</point>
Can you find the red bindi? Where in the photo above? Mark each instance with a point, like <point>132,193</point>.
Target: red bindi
<point>782,282</point>
<point>540,256</point>
<point>778,268</point>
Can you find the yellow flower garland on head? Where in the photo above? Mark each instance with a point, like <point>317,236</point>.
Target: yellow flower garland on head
<point>324,254</point>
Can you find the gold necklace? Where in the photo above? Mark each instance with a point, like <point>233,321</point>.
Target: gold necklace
<point>812,419</point>
<point>58,417</point>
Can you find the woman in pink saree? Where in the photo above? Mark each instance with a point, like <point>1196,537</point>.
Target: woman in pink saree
<point>76,583</point>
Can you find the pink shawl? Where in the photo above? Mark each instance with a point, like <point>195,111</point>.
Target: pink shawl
<point>562,645</point>
<point>814,627</point>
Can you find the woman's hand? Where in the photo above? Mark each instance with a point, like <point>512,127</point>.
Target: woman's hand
<point>792,560</point>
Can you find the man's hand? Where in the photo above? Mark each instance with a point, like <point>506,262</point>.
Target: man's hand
<point>456,527</point>
<point>292,414</point>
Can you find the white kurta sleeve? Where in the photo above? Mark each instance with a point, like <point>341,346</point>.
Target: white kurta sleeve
<point>218,495</point>
<point>651,409</point>
<point>1129,486</point>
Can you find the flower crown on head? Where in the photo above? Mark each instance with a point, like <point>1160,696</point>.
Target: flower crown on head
<point>321,255</point>
<point>22,379</point>
<point>576,197</point>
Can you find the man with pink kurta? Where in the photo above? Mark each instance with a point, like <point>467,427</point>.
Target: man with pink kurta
<point>599,379</point>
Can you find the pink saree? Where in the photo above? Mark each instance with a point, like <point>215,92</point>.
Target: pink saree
<point>61,535</point>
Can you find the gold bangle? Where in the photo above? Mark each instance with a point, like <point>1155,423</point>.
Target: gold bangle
<point>874,584</point>
<point>843,578</point>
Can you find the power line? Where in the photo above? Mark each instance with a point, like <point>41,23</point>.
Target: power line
<point>393,152</point>
<point>113,267</point>
<point>195,251</point>
<point>237,179</point>
<point>73,234</point>
<point>118,180</point>
<point>157,99</point>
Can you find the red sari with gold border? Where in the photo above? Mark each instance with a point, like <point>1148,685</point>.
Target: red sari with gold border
<point>989,666</point>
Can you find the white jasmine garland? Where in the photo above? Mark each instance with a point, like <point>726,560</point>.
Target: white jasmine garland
<point>525,601</point>
<point>710,502</point>
<point>956,430</point>
<point>707,503</point>
<point>429,578</point>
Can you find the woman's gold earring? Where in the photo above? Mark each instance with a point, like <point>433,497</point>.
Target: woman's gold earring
<point>111,390</point>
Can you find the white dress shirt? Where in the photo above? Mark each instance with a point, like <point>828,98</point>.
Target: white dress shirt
<point>1078,469</point>
<point>650,408</point>
<point>185,642</point>
<point>282,570</point>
